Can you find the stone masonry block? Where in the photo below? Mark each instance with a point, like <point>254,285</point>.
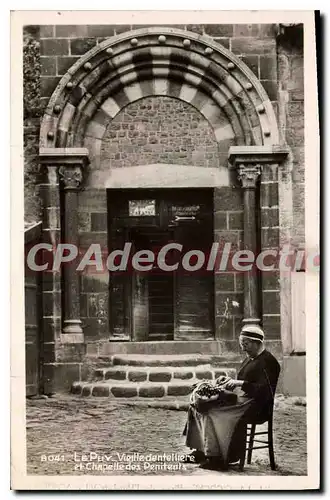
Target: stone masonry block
<point>246,46</point>
<point>271,88</point>
<point>151,391</point>
<point>236,220</point>
<point>196,28</point>
<point>64,63</point>
<point>121,28</point>
<point>137,376</point>
<point>115,374</point>
<point>218,30</point>
<point>99,222</point>
<point>271,302</point>
<point>48,85</point>
<point>51,329</point>
<point>160,376</point>
<point>179,390</point>
<point>269,195</point>
<point>225,42</point>
<point>121,391</point>
<point>60,377</point>
<point>54,47</point>
<point>48,352</point>
<point>270,238</point>
<point>204,374</point>
<point>96,30</point>
<point>268,67</point>
<point>46,31</point>
<point>51,303</point>
<point>227,198</point>
<point>48,66</point>
<point>87,390</point>
<point>269,217</point>
<point>76,388</point>
<point>101,390</point>
<point>246,30</point>
<point>70,353</point>
<point>253,63</point>
<point>220,220</point>
<point>71,31</point>
<point>272,326</point>
<point>80,46</point>
<point>183,375</point>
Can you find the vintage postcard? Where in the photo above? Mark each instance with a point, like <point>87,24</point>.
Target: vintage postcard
<point>165,250</point>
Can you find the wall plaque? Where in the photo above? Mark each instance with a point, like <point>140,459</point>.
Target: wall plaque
<point>185,210</point>
<point>138,208</point>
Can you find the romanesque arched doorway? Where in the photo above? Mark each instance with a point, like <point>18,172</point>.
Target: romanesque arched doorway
<point>76,136</point>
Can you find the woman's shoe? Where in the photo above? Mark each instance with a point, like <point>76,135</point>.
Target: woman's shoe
<point>194,458</point>
<point>213,463</point>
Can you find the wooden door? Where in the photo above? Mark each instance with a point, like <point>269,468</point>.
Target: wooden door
<point>194,290</point>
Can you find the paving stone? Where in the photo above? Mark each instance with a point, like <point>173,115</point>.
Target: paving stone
<point>150,391</point>
<point>160,376</point>
<point>124,391</point>
<point>101,390</point>
<point>136,376</point>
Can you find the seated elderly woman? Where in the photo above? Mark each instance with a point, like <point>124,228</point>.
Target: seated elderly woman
<point>217,434</point>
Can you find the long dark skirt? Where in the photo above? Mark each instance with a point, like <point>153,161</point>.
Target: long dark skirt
<point>220,431</point>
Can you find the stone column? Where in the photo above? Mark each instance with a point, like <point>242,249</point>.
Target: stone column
<point>248,175</point>
<point>71,177</point>
<point>70,163</point>
<point>249,161</point>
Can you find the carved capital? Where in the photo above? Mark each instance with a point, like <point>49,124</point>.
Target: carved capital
<point>248,175</point>
<point>71,176</point>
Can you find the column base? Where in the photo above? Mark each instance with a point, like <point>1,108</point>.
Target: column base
<point>72,338</point>
<point>72,326</point>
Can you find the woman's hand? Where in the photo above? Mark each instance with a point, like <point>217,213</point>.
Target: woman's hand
<point>232,384</point>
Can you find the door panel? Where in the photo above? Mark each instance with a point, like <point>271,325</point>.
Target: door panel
<point>160,305</point>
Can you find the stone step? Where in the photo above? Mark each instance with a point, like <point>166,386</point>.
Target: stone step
<point>120,389</point>
<point>173,360</point>
<point>167,347</point>
<point>167,374</point>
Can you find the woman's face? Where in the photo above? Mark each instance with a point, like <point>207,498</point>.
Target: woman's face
<point>248,345</point>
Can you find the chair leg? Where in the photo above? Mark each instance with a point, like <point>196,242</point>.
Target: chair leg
<point>271,445</point>
<point>242,459</point>
<point>251,441</point>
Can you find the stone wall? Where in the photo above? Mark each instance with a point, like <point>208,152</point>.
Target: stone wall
<point>159,130</point>
<point>165,130</point>
<point>275,59</point>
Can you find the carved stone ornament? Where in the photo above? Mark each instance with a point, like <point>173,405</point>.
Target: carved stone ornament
<point>71,176</point>
<point>248,175</point>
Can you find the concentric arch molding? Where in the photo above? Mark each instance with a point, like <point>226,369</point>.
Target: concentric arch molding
<point>159,61</point>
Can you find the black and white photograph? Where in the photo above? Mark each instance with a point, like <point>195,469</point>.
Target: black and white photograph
<point>170,259</point>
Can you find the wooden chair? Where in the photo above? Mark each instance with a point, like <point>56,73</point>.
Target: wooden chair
<point>250,433</point>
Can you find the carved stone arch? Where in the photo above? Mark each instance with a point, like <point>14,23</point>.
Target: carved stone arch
<point>159,61</point>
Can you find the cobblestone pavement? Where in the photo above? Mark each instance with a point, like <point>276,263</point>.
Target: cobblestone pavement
<point>62,429</point>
